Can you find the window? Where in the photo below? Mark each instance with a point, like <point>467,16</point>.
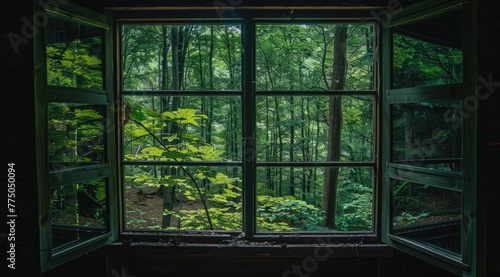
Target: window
<point>428,166</point>
<point>248,126</point>
<point>76,194</point>
<point>256,125</point>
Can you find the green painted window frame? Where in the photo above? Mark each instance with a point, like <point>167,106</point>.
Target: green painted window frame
<point>50,256</point>
<point>248,20</point>
<point>464,182</point>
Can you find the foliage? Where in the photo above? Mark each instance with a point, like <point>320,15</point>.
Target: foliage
<point>421,63</point>
<point>298,215</point>
<point>183,128</point>
<point>356,202</point>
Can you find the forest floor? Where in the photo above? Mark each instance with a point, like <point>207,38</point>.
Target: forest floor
<point>145,209</point>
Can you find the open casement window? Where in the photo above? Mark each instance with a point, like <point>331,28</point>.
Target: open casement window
<point>238,128</point>
<point>75,127</point>
<point>429,155</point>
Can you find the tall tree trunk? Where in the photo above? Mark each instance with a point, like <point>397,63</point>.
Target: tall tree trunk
<point>269,149</point>
<point>303,145</point>
<point>211,86</point>
<point>334,125</point>
<point>292,142</point>
<point>280,144</point>
<point>408,118</point>
<point>169,192</point>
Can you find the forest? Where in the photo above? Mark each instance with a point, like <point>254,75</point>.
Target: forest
<point>188,94</point>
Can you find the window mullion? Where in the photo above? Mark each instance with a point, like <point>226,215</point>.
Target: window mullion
<point>249,129</point>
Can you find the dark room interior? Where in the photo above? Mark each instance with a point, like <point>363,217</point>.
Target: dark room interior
<point>250,138</point>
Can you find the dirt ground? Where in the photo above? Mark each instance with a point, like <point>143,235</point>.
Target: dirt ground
<point>144,210</point>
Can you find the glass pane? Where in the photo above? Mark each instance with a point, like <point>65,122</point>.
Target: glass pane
<point>427,214</point>
<point>183,198</point>
<point>296,128</point>
<point>181,57</point>
<point>301,57</point>
<point>74,54</point>
<point>294,199</point>
<point>428,134</point>
<point>78,212</point>
<point>183,128</point>
<point>428,52</point>
<point>76,134</point>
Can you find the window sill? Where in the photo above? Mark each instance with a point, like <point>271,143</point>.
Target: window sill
<point>249,249</point>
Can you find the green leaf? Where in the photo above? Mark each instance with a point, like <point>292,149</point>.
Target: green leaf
<point>153,151</point>
<point>137,114</point>
<point>153,114</point>
<point>174,155</point>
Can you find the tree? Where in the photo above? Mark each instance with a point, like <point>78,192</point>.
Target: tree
<point>335,125</point>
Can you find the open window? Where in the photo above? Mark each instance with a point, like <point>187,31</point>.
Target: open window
<point>427,112</point>
<point>257,127</point>
<point>77,198</point>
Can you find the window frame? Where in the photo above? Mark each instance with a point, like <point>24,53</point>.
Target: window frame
<point>463,181</point>
<point>366,243</point>
<point>248,20</point>
<point>50,256</point>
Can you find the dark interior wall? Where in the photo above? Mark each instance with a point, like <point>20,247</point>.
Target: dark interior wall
<point>101,264</point>
<point>488,95</point>
<point>17,137</point>
<point>100,5</point>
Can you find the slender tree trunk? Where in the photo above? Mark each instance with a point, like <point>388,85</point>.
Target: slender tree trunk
<point>169,192</point>
<point>408,117</point>
<point>211,86</point>
<point>280,148</point>
<point>269,149</point>
<point>335,125</point>
<point>303,145</point>
<point>292,142</point>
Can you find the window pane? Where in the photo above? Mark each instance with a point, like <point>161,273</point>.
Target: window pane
<point>207,57</point>
<point>428,52</point>
<point>174,198</point>
<point>183,128</point>
<point>75,134</point>
<point>427,214</point>
<point>78,212</point>
<point>74,54</point>
<point>300,57</point>
<point>292,199</point>
<point>428,134</point>
<point>296,128</point>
